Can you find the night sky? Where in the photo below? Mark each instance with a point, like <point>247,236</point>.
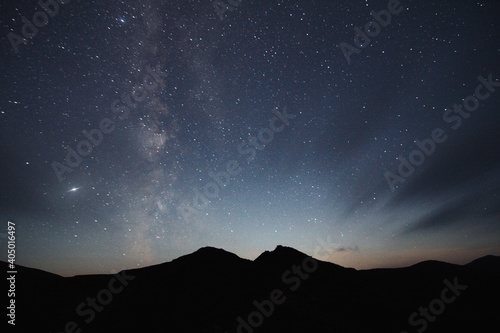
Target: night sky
<point>136,132</point>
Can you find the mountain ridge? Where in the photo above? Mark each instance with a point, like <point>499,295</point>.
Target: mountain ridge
<point>221,290</point>
<point>279,252</point>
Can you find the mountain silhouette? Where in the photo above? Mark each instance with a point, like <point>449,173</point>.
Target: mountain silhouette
<point>284,290</point>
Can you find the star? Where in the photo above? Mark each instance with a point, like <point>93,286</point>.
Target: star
<point>121,21</point>
<point>197,143</point>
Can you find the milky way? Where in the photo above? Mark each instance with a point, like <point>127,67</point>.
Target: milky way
<point>133,133</point>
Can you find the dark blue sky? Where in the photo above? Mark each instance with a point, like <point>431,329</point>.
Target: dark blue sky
<point>270,123</point>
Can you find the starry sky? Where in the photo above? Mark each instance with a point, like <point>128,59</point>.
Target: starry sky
<point>136,132</point>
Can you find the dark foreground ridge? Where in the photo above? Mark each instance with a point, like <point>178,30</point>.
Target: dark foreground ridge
<point>212,290</point>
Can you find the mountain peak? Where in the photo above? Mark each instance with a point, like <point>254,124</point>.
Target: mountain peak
<point>210,250</point>
<point>281,254</point>
<point>209,255</point>
<point>487,263</point>
<point>280,249</point>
